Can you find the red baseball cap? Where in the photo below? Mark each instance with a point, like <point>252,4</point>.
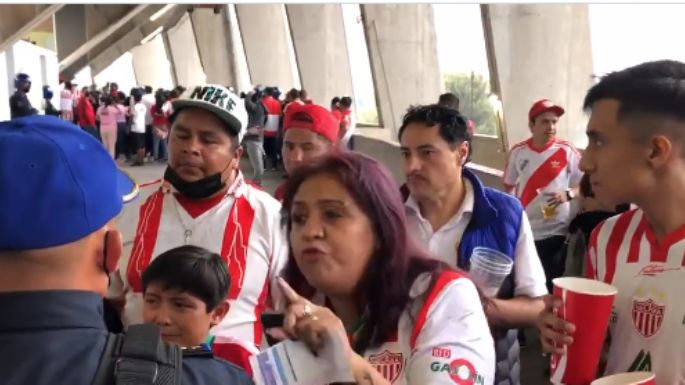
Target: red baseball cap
<point>322,121</point>
<point>542,106</point>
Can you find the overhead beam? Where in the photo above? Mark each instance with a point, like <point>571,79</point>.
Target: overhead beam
<point>132,38</point>
<point>101,36</point>
<point>8,38</point>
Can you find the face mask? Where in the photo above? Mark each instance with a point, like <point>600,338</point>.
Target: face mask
<point>200,189</point>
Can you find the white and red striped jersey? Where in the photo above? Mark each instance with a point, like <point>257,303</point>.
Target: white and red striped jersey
<point>273,116</point>
<point>442,338</point>
<point>244,228</point>
<point>533,172</point>
<point>648,321</point>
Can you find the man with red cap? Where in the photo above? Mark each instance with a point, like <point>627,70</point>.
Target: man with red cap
<point>543,172</point>
<point>309,130</point>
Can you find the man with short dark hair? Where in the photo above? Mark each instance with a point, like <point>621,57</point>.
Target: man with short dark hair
<point>204,201</point>
<point>58,243</point>
<point>452,213</point>
<point>636,153</point>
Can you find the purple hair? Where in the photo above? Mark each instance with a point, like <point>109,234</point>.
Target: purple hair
<point>398,260</point>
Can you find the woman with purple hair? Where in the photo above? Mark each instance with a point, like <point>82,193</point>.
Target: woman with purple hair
<point>354,270</point>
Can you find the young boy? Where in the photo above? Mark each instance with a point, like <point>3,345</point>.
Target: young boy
<point>185,293</point>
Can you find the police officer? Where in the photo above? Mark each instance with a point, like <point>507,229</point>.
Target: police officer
<point>59,195</point>
<point>19,103</point>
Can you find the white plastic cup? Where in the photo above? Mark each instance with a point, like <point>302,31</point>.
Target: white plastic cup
<point>634,378</point>
<point>489,268</point>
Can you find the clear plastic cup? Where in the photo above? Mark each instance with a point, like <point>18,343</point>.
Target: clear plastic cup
<point>489,268</point>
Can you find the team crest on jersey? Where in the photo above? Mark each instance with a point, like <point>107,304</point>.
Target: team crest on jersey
<point>555,164</point>
<point>388,364</point>
<point>648,316</point>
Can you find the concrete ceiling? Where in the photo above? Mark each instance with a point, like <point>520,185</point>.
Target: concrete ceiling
<point>131,36</point>
<point>19,19</point>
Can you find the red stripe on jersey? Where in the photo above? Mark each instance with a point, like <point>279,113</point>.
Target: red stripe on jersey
<point>235,244</point>
<point>591,264</point>
<point>145,239</point>
<point>634,251</point>
<point>660,249</point>
<point>442,281</point>
<point>618,234</point>
<point>234,354</point>
<point>258,310</point>
<point>544,175</point>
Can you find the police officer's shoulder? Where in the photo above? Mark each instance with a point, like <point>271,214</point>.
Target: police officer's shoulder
<point>200,368</point>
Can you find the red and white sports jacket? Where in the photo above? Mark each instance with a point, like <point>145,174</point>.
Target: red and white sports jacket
<point>442,338</point>
<point>244,228</point>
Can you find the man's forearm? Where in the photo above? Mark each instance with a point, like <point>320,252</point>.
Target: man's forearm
<point>514,313</point>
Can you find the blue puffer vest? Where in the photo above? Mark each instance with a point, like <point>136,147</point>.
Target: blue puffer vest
<point>495,223</point>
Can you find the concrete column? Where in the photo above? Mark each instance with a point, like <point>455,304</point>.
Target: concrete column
<point>263,28</point>
<point>184,54</point>
<point>318,35</point>
<point>541,51</point>
<point>151,64</point>
<point>404,57</point>
<point>214,43</point>
<point>70,29</point>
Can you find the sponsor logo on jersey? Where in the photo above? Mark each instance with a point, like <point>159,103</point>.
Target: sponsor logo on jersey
<point>641,363</point>
<point>654,269</point>
<point>388,364</point>
<point>442,352</point>
<point>523,165</point>
<point>461,371</point>
<point>648,316</point>
<point>555,164</point>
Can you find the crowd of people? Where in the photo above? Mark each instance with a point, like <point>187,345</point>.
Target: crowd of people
<point>339,251</point>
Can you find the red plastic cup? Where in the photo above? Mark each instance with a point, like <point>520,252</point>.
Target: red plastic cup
<point>587,305</point>
<point>635,378</point>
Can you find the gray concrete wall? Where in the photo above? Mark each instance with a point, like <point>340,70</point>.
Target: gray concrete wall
<point>184,53</point>
<point>70,32</point>
<point>151,65</point>
<point>318,35</point>
<point>542,51</point>
<point>404,57</point>
<point>213,38</point>
<point>263,29</point>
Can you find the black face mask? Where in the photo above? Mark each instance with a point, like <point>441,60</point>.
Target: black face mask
<point>200,189</point>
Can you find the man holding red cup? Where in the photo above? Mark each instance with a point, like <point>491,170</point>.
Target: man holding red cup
<point>636,153</point>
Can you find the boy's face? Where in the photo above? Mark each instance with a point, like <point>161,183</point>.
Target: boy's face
<point>182,317</point>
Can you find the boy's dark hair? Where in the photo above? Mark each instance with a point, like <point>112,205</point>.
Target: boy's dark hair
<point>193,270</point>
<point>654,89</point>
<point>452,125</point>
<point>449,99</point>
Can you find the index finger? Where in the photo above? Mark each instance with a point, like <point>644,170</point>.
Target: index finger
<point>290,294</point>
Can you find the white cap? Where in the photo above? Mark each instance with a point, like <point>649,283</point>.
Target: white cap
<point>216,99</point>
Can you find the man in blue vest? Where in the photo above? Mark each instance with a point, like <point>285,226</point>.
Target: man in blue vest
<point>452,213</point>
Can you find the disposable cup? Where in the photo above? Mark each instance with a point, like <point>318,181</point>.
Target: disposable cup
<point>634,378</point>
<point>489,268</point>
<point>586,304</point>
